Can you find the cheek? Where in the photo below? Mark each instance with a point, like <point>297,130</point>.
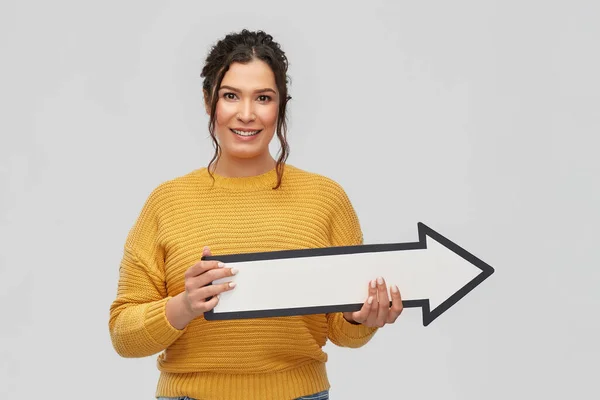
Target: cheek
<point>268,116</point>
<point>224,113</point>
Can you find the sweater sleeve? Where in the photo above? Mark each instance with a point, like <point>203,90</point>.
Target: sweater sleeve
<point>138,324</point>
<point>345,230</point>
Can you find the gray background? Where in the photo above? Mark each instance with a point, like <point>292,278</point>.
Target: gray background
<point>479,118</point>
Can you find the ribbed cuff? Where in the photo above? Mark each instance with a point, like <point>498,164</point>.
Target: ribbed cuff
<point>346,334</point>
<point>158,326</point>
<point>354,331</point>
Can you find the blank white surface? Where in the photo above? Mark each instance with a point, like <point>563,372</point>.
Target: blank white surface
<point>479,117</point>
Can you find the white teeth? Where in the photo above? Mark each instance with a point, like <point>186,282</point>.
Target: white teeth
<point>242,133</point>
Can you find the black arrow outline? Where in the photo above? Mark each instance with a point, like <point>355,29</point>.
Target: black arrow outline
<point>428,315</point>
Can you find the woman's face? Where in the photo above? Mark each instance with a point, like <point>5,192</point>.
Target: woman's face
<point>246,113</point>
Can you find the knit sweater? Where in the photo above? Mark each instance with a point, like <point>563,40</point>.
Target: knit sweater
<point>250,359</point>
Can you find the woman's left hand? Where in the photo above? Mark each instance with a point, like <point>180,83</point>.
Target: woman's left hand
<point>376,311</point>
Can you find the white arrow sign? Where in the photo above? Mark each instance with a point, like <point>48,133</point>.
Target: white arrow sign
<point>433,274</point>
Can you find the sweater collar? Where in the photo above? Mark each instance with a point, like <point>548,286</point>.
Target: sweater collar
<point>266,180</point>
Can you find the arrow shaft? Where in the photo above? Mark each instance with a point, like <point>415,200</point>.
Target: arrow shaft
<point>321,281</point>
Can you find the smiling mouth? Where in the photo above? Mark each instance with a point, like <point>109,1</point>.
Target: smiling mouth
<point>245,133</point>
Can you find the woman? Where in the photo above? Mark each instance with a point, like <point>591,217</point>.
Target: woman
<point>243,201</point>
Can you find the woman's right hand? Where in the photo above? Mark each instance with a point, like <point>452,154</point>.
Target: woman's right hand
<point>200,295</point>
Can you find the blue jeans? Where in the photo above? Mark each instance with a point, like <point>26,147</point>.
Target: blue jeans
<point>324,395</point>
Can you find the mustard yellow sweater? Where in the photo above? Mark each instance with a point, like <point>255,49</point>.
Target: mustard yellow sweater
<point>250,359</point>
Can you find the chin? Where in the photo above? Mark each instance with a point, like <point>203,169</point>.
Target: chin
<point>257,150</point>
<point>242,156</point>
<point>242,151</point>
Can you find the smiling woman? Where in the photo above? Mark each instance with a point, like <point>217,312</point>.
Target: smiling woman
<point>244,201</point>
<point>246,93</point>
<point>247,107</point>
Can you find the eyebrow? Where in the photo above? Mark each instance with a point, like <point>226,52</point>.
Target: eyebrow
<point>256,91</point>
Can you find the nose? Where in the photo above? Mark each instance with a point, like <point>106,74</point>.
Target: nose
<point>246,112</point>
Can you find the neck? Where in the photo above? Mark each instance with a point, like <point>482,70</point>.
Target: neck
<point>243,167</point>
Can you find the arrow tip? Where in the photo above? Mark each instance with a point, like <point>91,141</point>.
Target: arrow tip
<point>463,273</point>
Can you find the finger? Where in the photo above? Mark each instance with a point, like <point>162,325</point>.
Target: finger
<point>201,267</point>
<point>397,306</point>
<point>198,305</point>
<point>372,318</point>
<point>202,299</point>
<point>383,301</point>
<point>212,275</point>
<point>362,315</point>
<point>214,290</point>
<point>209,304</point>
<point>208,277</point>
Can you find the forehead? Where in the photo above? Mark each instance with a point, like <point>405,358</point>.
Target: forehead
<point>250,76</point>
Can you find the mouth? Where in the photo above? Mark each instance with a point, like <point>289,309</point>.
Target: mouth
<point>245,132</point>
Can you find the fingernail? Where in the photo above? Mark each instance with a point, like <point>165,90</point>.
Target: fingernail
<point>373,284</point>
<point>234,271</point>
<point>380,280</point>
<point>232,284</point>
<point>370,300</point>
<point>395,289</point>
<point>221,265</point>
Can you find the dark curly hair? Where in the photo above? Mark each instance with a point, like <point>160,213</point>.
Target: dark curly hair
<point>244,47</point>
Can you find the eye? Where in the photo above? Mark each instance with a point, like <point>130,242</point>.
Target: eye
<point>264,98</point>
<point>229,96</point>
